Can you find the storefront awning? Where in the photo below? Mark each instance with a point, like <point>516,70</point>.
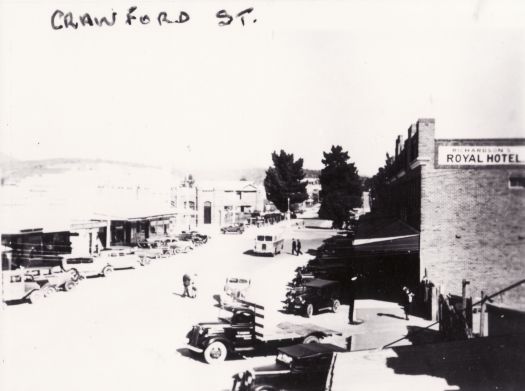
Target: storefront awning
<point>393,245</point>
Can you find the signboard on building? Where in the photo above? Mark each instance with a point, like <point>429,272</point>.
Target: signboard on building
<point>480,155</point>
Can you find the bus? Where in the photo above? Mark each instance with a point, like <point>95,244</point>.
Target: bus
<point>268,243</point>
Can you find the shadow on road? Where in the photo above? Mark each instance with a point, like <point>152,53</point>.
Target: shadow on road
<point>490,363</point>
<point>390,315</point>
<point>253,254</point>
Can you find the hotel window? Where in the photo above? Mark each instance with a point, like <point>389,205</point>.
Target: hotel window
<point>517,182</point>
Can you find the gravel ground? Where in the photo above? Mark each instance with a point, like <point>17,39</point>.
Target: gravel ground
<point>127,331</point>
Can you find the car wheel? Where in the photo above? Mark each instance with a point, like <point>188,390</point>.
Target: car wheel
<point>311,339</point>
<point>145,261</point>
<point>107,271</point>
<point>69,285</point>
<point>335,305</point>
<point>75,274</point>
<point>36,296</point>
<point>309,310</point>
<point>48,291</point>
<point>215,352</point>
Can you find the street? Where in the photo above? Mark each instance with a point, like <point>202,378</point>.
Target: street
<point>128,331</point>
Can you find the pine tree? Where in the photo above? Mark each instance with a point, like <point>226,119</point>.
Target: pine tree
<point>283,181</point>
<point>340,186</point>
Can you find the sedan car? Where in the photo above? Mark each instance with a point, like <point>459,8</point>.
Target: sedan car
<point>120,258</point>
<point>236,228</point>
<point>318,295</point>
<point>235,288</point>
<point>298,367</point>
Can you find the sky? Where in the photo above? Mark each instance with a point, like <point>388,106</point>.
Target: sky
<point>304,76</point>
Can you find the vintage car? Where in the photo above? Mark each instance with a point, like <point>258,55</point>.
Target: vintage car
<point>148,250</point>
<point>195,236</point>
<point>52,278</point>
<point>234,288</point>
<point>318,295</point>
<point>298,367</point>
<point>85,266</point>
<point>177,245</point>
<point>235,228</point>
<point>120,258</point>
<point>17,286</point>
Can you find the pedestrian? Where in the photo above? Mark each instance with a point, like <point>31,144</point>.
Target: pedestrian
<point>294,246</point>
<point>193,287</point>
<point>350,296</point>
<point>298,251</point>
<point>406,301</point>
<point>186,281</point>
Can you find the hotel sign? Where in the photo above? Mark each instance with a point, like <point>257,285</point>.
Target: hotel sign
<point>480,155</point>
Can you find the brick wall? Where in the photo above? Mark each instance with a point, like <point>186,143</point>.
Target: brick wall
<point>472,227</point>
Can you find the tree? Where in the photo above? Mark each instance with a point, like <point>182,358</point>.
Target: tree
<point>379,187</point>
<point>283,181</point>
<point>340,186</point>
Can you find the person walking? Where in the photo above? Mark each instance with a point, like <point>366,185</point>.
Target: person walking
<point>186,282</point>
<point>298,250</point>
<point>193,287</point>
<point>350,293</point>
<point>294,246</point>
<point>406,301</point>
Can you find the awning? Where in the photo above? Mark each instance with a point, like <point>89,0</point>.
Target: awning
<point>320,283</point>
<point>391,246</point>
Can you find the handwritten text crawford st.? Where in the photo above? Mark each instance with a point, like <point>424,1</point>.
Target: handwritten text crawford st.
<point>63,20</point>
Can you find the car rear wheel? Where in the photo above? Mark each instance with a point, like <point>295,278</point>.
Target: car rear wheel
<point>309,310</point>
<point>69,285</point>
<point>311,339</point>
<point>107,271</point>
<point>215,352</point>
<point>48,291</point>
<point>336,304</point>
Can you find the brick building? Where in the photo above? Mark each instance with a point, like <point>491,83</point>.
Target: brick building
<point>466,198</point>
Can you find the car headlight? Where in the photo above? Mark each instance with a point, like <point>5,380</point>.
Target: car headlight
<point>249,377</point>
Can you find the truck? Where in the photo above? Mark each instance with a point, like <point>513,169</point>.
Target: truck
<point>246,331</point>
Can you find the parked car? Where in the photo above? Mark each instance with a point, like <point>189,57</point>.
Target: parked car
<point>161,245</point>
<point>318,295</point>
<point>148,250</point>
<point>235,228</point>
<point>17,286</point>
<point>120,258</point>
<point>85,266</point>
<point>177,245</point>
<point>52,278</point>
<point>298,367</point>
<point>195,236</point>
<point>235,288</point>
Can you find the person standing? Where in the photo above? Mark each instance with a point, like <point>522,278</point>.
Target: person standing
<point>350,292</point>
<point>294,246</point>
<point>406,301</point>
<point>186,281</point>
<point>193,287</point>
<point>298,250</point>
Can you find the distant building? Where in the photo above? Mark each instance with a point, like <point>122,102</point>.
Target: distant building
<point>225,202</point>
<point>313,189</point>
<point>465,200</point>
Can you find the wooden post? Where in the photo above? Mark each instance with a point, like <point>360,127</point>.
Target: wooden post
<point>482,315</point>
